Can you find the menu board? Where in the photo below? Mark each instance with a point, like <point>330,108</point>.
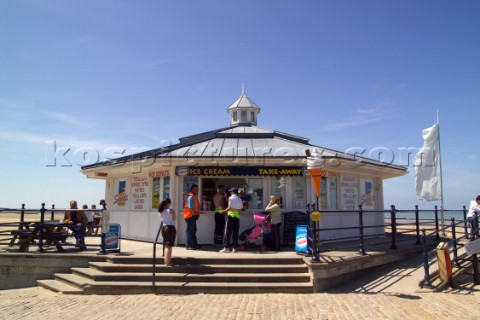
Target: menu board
<point>290,222</point>
<point>139,188</point>
<point>348,193</point>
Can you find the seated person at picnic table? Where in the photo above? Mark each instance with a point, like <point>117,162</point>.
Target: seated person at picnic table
<point>97,218</point>
<point>89,214</point>
<point>78,220</point>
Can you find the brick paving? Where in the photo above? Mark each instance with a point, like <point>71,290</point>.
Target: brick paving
<point>38,303</point>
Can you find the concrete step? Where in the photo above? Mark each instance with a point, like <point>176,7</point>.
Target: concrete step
<point>59,286</point>
<point>98,275</point>
<point>221,259</point>
<point>73,280</point>
<point>119,287</point>
<point>201,269</point>
<point>225,274</point>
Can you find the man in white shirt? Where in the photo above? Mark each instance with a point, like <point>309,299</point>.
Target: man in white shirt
<point>473,211</point>
<point>235,204</point>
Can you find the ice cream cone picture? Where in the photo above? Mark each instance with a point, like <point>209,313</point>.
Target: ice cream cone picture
<point>316,174</point>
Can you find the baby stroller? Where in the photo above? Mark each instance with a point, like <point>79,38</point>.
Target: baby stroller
<point>259,235</point>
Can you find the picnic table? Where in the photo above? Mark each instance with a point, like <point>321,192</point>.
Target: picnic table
<point>49,232</point>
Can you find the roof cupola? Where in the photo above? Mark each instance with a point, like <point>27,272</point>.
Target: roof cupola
<point>243,111</point>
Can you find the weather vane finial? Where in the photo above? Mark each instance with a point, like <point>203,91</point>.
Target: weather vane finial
<point>243,88</point>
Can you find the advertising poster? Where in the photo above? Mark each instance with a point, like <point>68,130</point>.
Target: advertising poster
<point>121,197</point>
<point>157,176</point>
<point>301,239</point>
<point>112,238</point>
<point>156,192</point>
<point>368,198</point>
<point>140,186</point>
<point>166,187</point>
<point>349,193</point>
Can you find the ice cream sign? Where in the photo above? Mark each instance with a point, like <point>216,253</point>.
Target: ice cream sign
<point>239,171</point>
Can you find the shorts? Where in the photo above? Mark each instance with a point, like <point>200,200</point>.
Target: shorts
<point>169,233</point>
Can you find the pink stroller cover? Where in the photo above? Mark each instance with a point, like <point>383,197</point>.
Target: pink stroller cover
<point>262,224</point>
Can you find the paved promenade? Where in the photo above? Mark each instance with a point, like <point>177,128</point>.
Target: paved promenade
<point>37,303</point>
<point>386,293</point>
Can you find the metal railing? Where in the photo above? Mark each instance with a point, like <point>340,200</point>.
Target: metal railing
<point>43,225</point>
<point>400,223</point>
<point>155,255</point>
<point>429,257</point>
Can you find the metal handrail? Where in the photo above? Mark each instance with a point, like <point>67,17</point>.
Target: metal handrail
<point>155,254</point>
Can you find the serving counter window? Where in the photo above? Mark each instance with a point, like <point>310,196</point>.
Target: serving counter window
<point>251,189</point>
<point>254,183</point>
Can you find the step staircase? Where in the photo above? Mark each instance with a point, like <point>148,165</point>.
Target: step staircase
<point>133,275</point>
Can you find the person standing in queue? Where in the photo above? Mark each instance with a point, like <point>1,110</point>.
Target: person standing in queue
<point>275,213</point>
<point>168,217</point>
<point>191,214</point>
<point>232,225</point>
<point>220,205</point>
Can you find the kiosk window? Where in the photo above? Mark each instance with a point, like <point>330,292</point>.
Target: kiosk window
<point>254,193</point>
<point>250,188</point>
<point>277,188</point>
<point>208,191</point>
<point>209,188</point>
<point>332,190</point>
<point>299,188</point>
<point>323,196</point>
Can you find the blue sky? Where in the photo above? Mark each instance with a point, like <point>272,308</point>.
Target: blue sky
<point>135,75</point>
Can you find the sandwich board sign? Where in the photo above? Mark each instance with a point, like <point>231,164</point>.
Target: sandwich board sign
<point>112,238</point>
<point>301,239</point>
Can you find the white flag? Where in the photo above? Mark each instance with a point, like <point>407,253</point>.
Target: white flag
<point>427,166</point>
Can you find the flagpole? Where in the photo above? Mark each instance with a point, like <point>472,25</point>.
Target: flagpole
<point>441,175</point>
